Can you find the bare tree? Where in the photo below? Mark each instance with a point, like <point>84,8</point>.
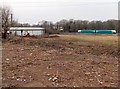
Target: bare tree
<point>0,21</point>
<point>5,14</point>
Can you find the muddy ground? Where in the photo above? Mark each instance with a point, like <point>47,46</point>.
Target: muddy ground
<point>58,62</point>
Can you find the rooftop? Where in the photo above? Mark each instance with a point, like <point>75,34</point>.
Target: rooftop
<point>26,28</point>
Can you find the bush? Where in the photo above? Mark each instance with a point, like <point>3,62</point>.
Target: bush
<point>51,31</point>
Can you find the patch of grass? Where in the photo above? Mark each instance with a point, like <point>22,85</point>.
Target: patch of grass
<point>105,39</point>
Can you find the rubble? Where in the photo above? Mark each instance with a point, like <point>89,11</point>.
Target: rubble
<point>59,62</point>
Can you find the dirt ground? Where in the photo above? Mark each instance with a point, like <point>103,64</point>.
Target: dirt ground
<point>56,61</point>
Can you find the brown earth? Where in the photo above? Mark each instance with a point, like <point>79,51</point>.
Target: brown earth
<point>58,62</point>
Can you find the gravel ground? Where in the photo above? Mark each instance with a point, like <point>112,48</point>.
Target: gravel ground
<point>58,62</point>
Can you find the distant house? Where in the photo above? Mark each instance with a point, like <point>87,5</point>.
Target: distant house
<point>26,30</point>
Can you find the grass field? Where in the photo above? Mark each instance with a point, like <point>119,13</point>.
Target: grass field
<point>100,38</point>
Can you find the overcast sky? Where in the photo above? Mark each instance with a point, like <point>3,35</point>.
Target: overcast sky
<point>32,11</point>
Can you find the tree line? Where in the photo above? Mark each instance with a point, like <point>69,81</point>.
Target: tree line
<point>75,25</point>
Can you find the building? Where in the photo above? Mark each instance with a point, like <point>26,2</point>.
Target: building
<point>26,30</point>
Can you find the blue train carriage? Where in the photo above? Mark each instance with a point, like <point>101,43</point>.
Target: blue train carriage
<point>97,31</point>
<point>86,31</point>
<point>106,31</point>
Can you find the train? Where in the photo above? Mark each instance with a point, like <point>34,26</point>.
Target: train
<point>97,31</point>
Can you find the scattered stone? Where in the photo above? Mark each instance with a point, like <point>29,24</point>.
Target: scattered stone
<point>74,86</point>
<point>24,80</point>
<point>31,53</point>
<point>22,49</point>
<point>87,73</point>
<point>91,79</point>
<point>7,59</point>
<point>54,79</point>
<point>50,78</point>
<point>18,79</point>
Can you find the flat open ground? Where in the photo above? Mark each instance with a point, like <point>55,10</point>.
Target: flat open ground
<point>69,60</point>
